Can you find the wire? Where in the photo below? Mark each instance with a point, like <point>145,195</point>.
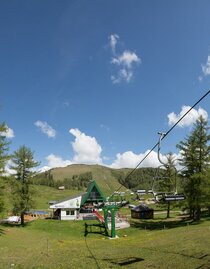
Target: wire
<point>132,171</point>
<point>91,253</point>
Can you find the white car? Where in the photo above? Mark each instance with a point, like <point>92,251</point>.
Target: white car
<point>13,219</point>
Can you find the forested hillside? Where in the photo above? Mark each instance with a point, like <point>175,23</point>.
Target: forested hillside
<point>77,177</point>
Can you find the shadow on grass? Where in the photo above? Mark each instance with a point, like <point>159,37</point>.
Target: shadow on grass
<point>203,256</point>
<point>1,231</point>
<point>92,256</point>
<point>124,261</point>
<point>205,215</point>
<point>165,223</point>
<point>15,225</point>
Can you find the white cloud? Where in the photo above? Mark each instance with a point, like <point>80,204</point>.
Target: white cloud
<point>123,74</point>
<point>127,59</point>
<point>113,42</point>
<point>43,169</point>
<point>8,170</point>
<point>9,133</point>
<point>88,151</point>
<point>189,119</point>
<point>129,159</point>
<point>206,67</point>
<point>86,148</point>
<point>45,128</point>
<point>56,161</point>
<point>124,62</point>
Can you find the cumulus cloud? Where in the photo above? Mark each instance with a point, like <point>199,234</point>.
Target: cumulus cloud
<point>45,128</point>
<point>9,133</point>
<point>189,119</point>
<point>129,159</point>
<point>56,161</point>
<point>124,62</point>
<point>86,148</point>
<point>88,151</point>
<point>206,67</point>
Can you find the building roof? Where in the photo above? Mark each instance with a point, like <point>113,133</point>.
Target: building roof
<point>141,207</point>
<point>69,198</point>
<point>94,194</point>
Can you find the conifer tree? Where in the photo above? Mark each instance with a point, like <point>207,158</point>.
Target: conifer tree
<point>22,163</point>
<point>171,173</point>
<point>4,157</point>
<point>195,159</point>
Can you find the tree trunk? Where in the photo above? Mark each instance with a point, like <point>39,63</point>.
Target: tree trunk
<point>168,210</point>
<point>197,214</point>
<point>22,219</point>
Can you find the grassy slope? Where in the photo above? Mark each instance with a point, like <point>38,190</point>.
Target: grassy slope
<point>60,244</point>
<point>42,195</point>
<point>103,175</point>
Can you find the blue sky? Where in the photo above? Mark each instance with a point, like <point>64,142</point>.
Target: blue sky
<point>94,81</point>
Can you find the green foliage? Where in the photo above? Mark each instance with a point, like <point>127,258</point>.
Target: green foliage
<point>22,163</point>
<point>22,196</point>
<point>195,159</point>
<point>3,147</point>
<point>140,179</point>
<point>1,197</point>
<point>4,157</point>
<point>45,179</point>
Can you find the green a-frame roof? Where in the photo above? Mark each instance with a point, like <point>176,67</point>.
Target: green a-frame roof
<point>94,194</point>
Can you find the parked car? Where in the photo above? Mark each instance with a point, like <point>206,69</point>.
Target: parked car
<point>13,219</point>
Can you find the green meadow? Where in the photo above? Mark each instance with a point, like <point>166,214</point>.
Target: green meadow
<point>158,243</point>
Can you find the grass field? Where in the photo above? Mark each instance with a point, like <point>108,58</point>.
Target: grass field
<point>157,243</point>
<point>42,195</point>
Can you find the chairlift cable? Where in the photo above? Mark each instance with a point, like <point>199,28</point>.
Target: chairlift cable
<point>165,134</point>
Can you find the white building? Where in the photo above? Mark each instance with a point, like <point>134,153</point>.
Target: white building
<point>72,208</point>
<point>68,209</point>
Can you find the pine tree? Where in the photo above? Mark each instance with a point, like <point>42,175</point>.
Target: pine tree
<point>4,157</point>
<point>22,163</point>
<point>196,161</point>
<point>171,174</point>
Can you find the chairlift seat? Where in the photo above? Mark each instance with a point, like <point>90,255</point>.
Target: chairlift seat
<point>174,197</point>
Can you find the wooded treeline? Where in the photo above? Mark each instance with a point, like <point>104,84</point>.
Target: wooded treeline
<point>76,182</point>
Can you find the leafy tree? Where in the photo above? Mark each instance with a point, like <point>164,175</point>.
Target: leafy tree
<point>22,163</point>
<point>196,161</point>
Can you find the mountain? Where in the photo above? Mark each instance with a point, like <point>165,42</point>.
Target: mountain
<point>106,178</point>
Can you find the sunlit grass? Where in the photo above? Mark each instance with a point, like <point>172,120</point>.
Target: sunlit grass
<point>156,243</point>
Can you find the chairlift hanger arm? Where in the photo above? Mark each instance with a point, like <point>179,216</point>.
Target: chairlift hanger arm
<point>162,135</point>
